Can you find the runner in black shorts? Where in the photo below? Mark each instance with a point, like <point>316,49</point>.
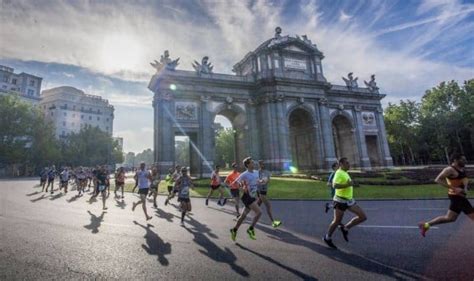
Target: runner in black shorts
<point>142,179</point>
<point>174,177</point>
<point>454,178</point>
<point>183,184</point>
<point>102,182</point>
<point>216,185</point>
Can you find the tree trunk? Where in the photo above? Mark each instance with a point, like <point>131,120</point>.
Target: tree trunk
<point>459,141</point>
<point>411,155</point>
<point>446,154</point>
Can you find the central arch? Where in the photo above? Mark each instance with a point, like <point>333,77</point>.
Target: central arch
<point>344,141</point>
<point>302,139</point>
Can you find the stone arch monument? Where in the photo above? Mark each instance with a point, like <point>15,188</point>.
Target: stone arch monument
<point>281,107</point>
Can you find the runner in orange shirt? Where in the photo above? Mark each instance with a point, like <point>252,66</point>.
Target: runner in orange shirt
<point>230,181</point>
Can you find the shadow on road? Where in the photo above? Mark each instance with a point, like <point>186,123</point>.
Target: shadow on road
<point>155,245</point>
<point>120,203</point>
<point>73,198</point>
<point>43,196</point>
<point>33,193</point>
<point>211,250</point>
<point>350,259</point>
<point>57,196</point>
<point>164,215</point>
<point>296,272</point>
<point>95,222</point>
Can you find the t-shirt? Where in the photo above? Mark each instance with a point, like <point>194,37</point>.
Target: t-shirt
<point>120,177</point>
<point>143,178</point>
<point>64,175</point>
<point>184,185</point>
<point>51,174</point>
<point>342,177</point>
<point>230,180</point>
<point>250,181</point>
<point>101,178</point>
<point>155,180</point>
<point>265,176</point>
<point>215,179</point>
<point>169,180</point>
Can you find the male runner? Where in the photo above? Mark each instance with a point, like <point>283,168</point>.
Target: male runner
<point>332,191</point>
<point>155,182</point>
<point>183,184</point>
<point>119,181</point>
<point>51,175</point>
<point>264,176</point>
<point>169,181</point>
<point>234,186</point>
<point>176,175</point>
<point>216,185</point>
<point>43,178</point>
<point>343,200</point>
<point>142,180</point>
<point>64,179</point>
<point>102,182</point>
<point>454,178</point>
<point>82,179</point>
<point>248,181</point>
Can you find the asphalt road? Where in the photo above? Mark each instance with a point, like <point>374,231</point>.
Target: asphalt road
<point>45,236</point>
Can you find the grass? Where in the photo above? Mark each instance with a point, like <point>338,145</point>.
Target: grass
<point>291,188</point>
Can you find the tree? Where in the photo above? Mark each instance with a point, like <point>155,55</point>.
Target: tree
<point>182,152</point>
<point>225,147</point>
<point>145,156</point>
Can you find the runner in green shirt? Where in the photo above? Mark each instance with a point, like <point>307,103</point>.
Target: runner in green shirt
<point>343,200</point>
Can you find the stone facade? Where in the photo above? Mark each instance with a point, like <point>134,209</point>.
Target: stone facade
<point>282,109</point>
<point>26,86</point>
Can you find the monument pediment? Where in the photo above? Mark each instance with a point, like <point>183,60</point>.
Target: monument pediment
<point>294,48</point>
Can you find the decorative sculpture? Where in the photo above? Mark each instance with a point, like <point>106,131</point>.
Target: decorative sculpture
<point>351,82</point>
<point>203,67</point>
<point>278,32</point>
<point>372,85</point>
<point>165,62</point>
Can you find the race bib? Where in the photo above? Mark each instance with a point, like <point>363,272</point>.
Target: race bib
<point>101,187</point>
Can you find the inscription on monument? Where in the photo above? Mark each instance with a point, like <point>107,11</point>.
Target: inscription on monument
<point>295,64</point>
<point>185,111</point>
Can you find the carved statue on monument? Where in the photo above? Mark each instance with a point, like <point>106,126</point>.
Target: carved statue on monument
<point>165,62</point>
<point>351,82</point>
<point>204,67</point>
<point>372,85</point>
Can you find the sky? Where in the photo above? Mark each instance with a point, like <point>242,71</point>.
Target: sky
<point>105,47</point>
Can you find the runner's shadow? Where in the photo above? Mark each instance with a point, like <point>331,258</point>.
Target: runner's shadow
<point>155,245</point>
<point>33,193</point>
<point>120,203</point>
<point>164,215</point>
<point>72,199</point>
<point>296,272</point>
<point>95,222</point>
<point>211,250</point>
<point>224,211</point>
<point>39,198</point>
<point>350,259</point>
<point>57,196</point>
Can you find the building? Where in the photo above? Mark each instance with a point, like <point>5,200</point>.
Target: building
<point>280,105</point>
<point>119,141</point>
<point>70,109</point>
<point>24,85</point>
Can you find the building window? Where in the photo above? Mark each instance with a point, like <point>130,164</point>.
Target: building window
<point>82,108</point>
<point>5,78</point>
<point>107,119</point>
<point>63,133</point>
<point>65,113</point>
<point>277,65</point>
<point>52,113</point>
<point>73,115</point>
<point>106,128</point>
<point>32,83</point>
<point>31,92</point>
<point>82,116</point>
<point>90,109</point>
<point>269,62</point>
<point>14,81</point>
<point>64,123</point>
<point>90,117</point>
<point>98,118</point>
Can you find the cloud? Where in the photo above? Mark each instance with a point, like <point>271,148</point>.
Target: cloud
<point>68,75</point>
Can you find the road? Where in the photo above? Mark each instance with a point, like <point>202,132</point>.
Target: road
<point>56,236</point>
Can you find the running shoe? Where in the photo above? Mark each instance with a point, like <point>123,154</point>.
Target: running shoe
<point>207,202</point>
<point>233,234</point>
<point>166,201</point>
<point>423,228</point>
<point>276,223</point>
<point>225,201</point>
<point>345,232</point>
<point>329,243</point>
<point>154,205</point>
<point>251,233</point>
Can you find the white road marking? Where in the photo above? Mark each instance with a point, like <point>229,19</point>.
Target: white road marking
<point>427,209</point>
<point>393,226</point>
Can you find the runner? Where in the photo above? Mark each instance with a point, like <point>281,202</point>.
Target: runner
<point>454,178</point>
<point>183,184</point>
<point>89,174</point>
<point>142,180</point>
<point>216,184</point>
<point>174,178</point>
<point>332,191</point>
<point>43,178</point>
<point>64,179</point>
<point>234,186</point>
<point>51,176</point>
<point>248,181</point>
<point>343,200</point>
<point>169,181</point>
<point>155,182</point>
<point>82,179</point>
<point>119,180</point>
<point>102,182</point>
<point>264,177</point>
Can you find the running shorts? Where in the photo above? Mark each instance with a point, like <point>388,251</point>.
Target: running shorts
<point>143,191</point>
<point>235,192</point>
<point>154,188</point>
<point>460,204</point>
<point>262,192</point>
<point>342,203</point>
<point>185,200</point>
<point>247,199</point>
<point>214,187</point>
<point>170,188</point>
<point>101,188</point>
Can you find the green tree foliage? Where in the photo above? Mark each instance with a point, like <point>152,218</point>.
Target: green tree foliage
<point>429,131</point>
<point>225,147</point>
<point>182,152</point>
<point>145,156</point>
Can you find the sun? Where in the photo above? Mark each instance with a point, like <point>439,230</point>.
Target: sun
<point>121,52</point>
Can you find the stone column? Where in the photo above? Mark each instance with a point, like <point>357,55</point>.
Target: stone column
<point>206,139</point>
<point>252,131</point>
<point>283,134</point>
<point>328,142</point>
<point>318,139</point>
<point>360,136</point>
<point>382,134</point>
<point>164,132</point>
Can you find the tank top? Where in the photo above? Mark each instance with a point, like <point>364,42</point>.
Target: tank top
<point>185,184</point>
<point>456,181</point>
<point>143,181</point>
